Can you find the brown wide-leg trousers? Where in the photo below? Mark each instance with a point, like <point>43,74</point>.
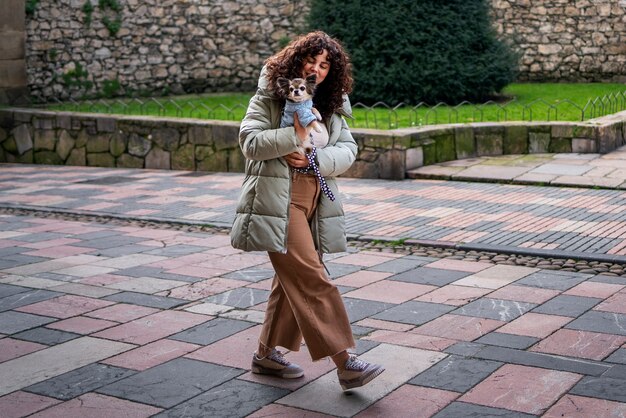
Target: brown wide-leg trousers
<point>303,302</point>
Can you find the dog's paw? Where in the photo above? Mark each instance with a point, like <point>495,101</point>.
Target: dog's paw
<point>316,127</point>
<point>316,113</point>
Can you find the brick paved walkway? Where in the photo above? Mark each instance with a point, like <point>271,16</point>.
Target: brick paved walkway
<point>103,320</point>
<point>549,221</point>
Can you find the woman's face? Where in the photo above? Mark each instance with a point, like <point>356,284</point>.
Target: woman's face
<point>317,65</point>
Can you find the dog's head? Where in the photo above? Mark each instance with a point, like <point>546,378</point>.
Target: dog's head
<point>298,89</point>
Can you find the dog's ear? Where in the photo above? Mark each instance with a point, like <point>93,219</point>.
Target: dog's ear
<point>283,86</point>
<point>310,82</point>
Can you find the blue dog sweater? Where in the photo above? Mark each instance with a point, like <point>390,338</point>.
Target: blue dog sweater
<point>304,113</point>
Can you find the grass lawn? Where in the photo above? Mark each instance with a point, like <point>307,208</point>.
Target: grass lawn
<point>520,101</point>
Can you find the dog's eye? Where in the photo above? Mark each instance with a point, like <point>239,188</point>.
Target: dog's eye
<point>302,88</point>
<point>291,88</point>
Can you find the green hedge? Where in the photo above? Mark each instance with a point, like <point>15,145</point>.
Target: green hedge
<point>418,50</point>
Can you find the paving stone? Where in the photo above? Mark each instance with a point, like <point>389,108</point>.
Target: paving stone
<point>211,331</point>
<point>401,363</point>
<point>553,280</point>
<point>506,388</point>
<point>498,309</point>
<point>77,382</point>
<point>46,336</point>
<point>601,387</point>
<point>124,249</point>
<point>359,309</point>
<point>9,290</point>
<point>239,298</point>
<point>524,294</point>
<point>456,373</point>
<point>281,411</point>
<point>390,291</point>
<point>465,348</point>
<point>55,276</point>
<point>412,312</point>
<point>12,322</point>
<point>579,406</point>
<point>603,322</point>
<point>139,271</point>
<point>176,250</point>
<point>92,405</point>
<point>618,371</point>
<point>535,325</point>
<point>171,383</point>
<point>20,404</point>
<point>41,236</point>
<point>431,276</point>
<point>26,298</point>
<point>399,265</point>
<point>458,327</point>
<point>250,274</point>
<point>548,361</point>
<point>53,361</point>
<point>409,401</point>
<point>235,398</point>
<point>581,344</point>
<point>520,342</point>
<point>567,305</point>
<point>601,278</point>
<point>468,410</point>
<point>338,270</point>
<point>150,301</point>
<point>153,327</point>
<point>109,242</point>
<point>65,306</point>
<point>619,356</point>
<point>150,355</point>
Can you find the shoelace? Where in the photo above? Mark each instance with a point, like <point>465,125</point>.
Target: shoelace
<point>323,185</point>
<point>277,356</point>
<point>354,363</point>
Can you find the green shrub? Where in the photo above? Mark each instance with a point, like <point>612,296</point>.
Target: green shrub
<point>418,50</point>
<point>111,88</point>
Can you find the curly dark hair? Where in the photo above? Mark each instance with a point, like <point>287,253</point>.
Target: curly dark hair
<point>290,60</point>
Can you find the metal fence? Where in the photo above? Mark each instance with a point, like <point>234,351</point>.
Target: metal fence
<point>377,116</point>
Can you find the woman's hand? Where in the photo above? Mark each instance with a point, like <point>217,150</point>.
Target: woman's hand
<point>297,160</point>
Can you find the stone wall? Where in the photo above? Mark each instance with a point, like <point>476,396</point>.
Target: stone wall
<point>162,46</point>
<point>577,40</point>
<point>43,137</point>
<point>182,46</point>
<point>13,82</point>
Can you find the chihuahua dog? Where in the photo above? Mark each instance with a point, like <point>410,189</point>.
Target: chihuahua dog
<point>298,95</point>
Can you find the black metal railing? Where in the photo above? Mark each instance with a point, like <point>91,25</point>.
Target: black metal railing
<point>376,116</point>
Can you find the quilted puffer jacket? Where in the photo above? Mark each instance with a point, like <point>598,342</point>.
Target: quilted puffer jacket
<point>263,209</point>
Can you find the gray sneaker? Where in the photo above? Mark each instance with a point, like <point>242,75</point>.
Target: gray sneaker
<point>358,373</point>
<point>276,364</point>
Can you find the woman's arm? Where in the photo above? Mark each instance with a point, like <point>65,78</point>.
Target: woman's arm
<point>336,159</point>
<point>257,139</point>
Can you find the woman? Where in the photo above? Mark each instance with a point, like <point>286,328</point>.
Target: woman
<point>281,210</point>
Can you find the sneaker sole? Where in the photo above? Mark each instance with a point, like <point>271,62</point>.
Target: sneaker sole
<point>274,372</point>
<point>362,381</point>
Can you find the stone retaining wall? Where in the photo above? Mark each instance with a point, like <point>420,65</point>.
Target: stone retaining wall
<point>44,137</point>
<point>13,82</point>
<point>177,46</point>
<point>581,40</point>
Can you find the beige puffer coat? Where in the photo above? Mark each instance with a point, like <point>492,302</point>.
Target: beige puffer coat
<point>263,209</point>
